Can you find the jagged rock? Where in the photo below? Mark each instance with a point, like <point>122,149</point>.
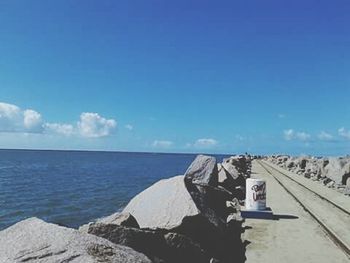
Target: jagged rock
<point>334,169</point>
<point>183,249</point>
<point>122,219</point>
<point>345,172</point>
<point>165,204</point>
<point>192,205</point>
<point>301,163</point>
<point>347,186</point>
<point>240,163</point>
<point>157,245</point>
<point>38,241</point>
<point>231,170</point>
<point>222,175</point>
<point>203,171</point>
<point>290,164</point>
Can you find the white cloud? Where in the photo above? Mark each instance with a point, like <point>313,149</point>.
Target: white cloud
<point>162,144</point>
<point>324,136</point>
<point>344,133</point>
<point>32,119</point>
<point>302,136</point>
<point>14,119</point>
<point>129,127</point>
<point>9,111</point>
<point>239,137</point>
<point>205,143</point>
<point>92,125</point>
<point>59,128</point>
<point>290,134</point>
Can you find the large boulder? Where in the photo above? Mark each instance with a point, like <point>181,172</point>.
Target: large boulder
<point>301,161</point>
<point>334,169</point>
<point>347,186</point>
<point>163,205</point>
<point>203,171</point>
<point>240,164</point>
<point>290,164</point>
<point>345,173</point>
<point>157,245</point>
<point>34,240</point>
<point>191,205</point>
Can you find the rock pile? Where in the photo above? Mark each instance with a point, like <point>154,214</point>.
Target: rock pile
<point>186,218</point>
<point>333,172</point>
<point>34,240</point>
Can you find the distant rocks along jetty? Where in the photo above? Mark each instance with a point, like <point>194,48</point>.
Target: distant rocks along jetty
<point>333,172</point>
<point>187,218</point>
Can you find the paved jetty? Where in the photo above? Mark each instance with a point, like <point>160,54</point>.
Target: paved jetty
<point>294,236</point>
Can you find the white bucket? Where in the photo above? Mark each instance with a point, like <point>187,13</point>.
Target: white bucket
<point>255,198</point>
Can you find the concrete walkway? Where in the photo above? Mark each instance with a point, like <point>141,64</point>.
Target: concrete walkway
<point>294,237</point>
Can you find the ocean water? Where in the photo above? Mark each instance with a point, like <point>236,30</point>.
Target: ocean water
<point>75,187</point>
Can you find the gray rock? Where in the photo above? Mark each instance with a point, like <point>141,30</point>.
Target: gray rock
<point>122,219</point>
<point>203,171</point>
<point>37,241</point>
<point>183,249</point>
<point>241,164</point>
<point>290,164</point>
<point>347,187</point>
<point>183,207</point>
<point>334,169</point>
<point>222,175</point>
<point>147,242</point>
<point>301,161</point>
<point>157,245</point>
<point>345,172</point>
<point>231,170</point>
<point>163,205</point>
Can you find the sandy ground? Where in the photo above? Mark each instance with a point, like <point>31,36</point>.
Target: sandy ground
<point>294,237</point>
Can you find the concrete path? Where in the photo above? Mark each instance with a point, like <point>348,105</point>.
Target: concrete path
<point>294,237</point>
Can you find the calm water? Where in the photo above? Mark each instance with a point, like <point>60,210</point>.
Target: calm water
<point>72,188</point>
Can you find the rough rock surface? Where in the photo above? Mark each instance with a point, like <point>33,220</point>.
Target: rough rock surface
<point>122,219</point>
<point>157,245</point>
<point>191,206</point>
<point>203,171</point>
<point>334,169</point>
<point>163,205</point>
<point>34,240</point>
<point>347,187</point>
<point>333,172</point>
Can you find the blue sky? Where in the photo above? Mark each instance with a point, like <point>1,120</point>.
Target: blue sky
<point>179,76</point>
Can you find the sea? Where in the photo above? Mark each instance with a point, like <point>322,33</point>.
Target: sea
<point>72,188</point>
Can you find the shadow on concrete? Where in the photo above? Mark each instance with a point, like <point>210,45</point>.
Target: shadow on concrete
<point>284,216</point>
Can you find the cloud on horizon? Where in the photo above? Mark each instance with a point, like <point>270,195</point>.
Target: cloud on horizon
<point>129,127</point>
<point>325,136</point>
<point>205,143</point>
<point>344,133</point>
<point>162,144</point>
<point>290,134</point>
<point>14,119</point>
<point>90,125</point>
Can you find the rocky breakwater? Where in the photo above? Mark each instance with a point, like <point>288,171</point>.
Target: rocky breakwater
<point>333,172</point>
<point>187,218</point>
